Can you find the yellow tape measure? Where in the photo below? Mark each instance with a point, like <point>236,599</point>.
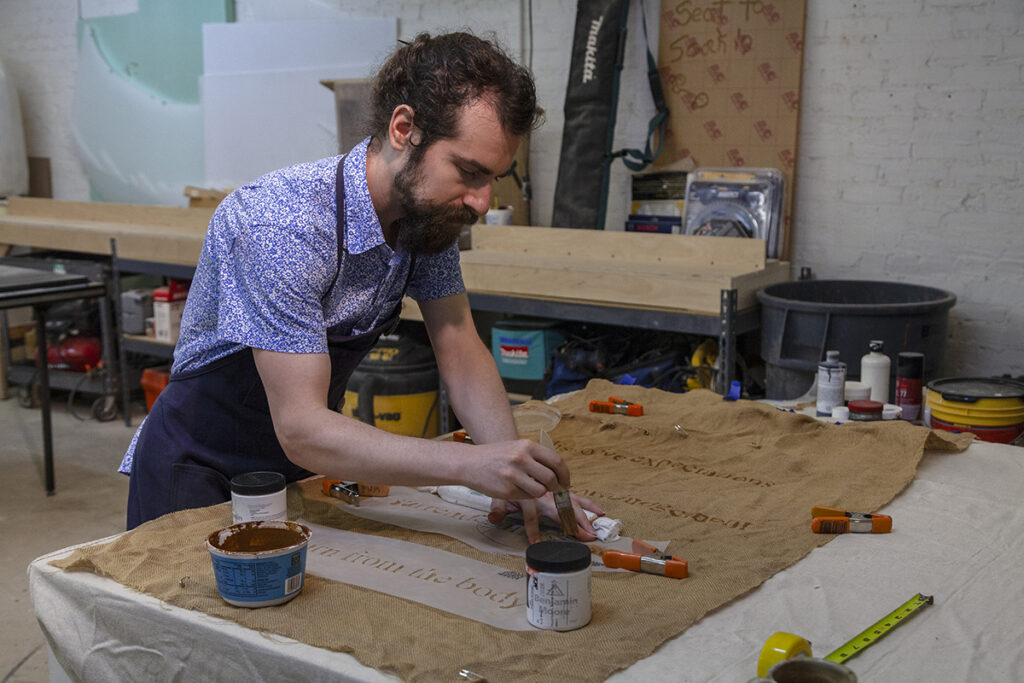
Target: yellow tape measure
<point>887,623</point>
<point>783,645</point>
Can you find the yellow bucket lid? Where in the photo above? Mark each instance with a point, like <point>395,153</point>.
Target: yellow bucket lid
<point>988,401</point>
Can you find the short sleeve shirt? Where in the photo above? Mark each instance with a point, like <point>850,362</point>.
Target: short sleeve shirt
<point>269,276</point>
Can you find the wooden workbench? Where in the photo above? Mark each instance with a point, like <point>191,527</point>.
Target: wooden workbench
<point>163,234</point>
<point>675,283</point>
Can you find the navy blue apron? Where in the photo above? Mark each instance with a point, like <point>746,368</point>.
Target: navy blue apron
<point>214,422</point>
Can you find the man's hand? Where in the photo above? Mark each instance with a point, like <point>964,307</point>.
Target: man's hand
<point>515,470</point>
<point>520,475</point>
<point>502,468</point>
<point>531,510</point>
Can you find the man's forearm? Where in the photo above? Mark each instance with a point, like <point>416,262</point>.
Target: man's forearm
<point>478,397</point>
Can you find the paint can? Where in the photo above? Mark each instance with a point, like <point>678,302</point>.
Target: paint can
<point>831,384</point>
<point>807,670</point>
<point>258,564</point>
<point>865,410</point>
<point>558,585</point>
<point>992,408</point>
<point>257,496</point>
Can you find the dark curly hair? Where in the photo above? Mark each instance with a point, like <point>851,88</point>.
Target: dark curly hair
<point>438,75</point>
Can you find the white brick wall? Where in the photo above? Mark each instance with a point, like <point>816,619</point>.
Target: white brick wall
<point>911,150</point>
<point>930,95</point>
<point>38,45</point>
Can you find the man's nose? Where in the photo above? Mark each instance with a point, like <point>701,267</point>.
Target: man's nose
<point>478,199</point>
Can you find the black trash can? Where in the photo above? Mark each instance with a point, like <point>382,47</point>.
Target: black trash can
<point>801,320</point>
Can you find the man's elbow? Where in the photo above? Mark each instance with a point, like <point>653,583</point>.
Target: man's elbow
<point>297,438</point>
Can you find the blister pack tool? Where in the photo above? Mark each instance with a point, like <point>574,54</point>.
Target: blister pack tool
<point>736,202</point>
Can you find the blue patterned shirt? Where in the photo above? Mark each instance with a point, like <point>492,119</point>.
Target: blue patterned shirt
<point>264,277</point>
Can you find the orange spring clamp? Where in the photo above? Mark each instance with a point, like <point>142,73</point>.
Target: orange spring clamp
<point>617,406</point>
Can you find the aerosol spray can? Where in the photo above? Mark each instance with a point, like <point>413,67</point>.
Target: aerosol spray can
<point>874,371</point>
<point>831,381</point>
<point>909,376</point>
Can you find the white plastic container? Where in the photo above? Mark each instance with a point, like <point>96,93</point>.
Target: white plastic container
<point>856,391</point>
<point>258,564</point>
<point>257,496</point>
<point>558,585</point>
<point>875,367</point>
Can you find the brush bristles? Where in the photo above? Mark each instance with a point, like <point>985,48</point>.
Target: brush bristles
<point>566,515</point>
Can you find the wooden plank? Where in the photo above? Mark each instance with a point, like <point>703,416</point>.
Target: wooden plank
<point>177,245</point>
<point>40,180</point>
<point>137,214</point>
<point>777,271</point>
<point>205,198</point>
<point>747,284</point>
<point>732,253</point>
<point>628,284</point>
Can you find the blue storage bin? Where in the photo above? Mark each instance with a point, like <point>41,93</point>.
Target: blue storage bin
<point>523,347</point>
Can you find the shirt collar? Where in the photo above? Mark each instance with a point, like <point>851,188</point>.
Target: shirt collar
<point>362,226</point>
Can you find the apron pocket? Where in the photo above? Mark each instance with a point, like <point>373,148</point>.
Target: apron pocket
<point>195,486</point>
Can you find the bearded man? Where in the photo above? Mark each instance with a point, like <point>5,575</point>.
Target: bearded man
<point>301,272</point>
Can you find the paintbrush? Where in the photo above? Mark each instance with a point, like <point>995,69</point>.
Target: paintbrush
<point>563,501</point>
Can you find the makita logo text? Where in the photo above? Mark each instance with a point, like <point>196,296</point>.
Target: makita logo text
<point>515,351</point>
<point>590,60</point>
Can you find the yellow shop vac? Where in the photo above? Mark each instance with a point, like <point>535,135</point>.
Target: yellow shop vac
<point>395,388</point>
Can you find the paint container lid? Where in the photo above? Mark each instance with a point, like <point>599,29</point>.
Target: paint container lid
<point>890,411</point>
<point>973,389</point>
<point>865,406</point>
<point>257,483</point>
<point>557,556</point>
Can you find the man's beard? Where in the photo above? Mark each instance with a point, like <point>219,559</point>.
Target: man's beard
<point>426,227</point>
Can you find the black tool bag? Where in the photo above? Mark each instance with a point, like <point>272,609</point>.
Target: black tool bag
<point>591,101</point>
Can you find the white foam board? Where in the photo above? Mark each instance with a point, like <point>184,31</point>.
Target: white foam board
<point>279,45</point>
<point>263,105</point>
<point>256,123</point>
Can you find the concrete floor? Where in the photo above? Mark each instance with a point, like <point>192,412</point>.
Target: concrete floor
<point>89,503</point>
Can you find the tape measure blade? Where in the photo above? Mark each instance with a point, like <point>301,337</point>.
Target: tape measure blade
<point>873,633</point>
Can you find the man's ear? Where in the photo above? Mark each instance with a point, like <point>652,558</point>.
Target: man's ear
<point>401,129</point>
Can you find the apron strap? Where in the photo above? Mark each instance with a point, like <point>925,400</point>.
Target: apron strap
<point>339,200</point>
<point>339,218</point>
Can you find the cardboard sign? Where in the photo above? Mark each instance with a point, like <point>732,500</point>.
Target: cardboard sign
<point>731,71</point>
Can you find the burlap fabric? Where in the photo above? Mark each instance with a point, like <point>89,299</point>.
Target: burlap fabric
<point>731,484</point>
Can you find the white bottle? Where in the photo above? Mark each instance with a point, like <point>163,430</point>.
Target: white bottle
<point>874,371</point>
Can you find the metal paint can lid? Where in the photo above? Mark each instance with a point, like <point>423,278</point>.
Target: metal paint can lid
<point>257,483</point>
